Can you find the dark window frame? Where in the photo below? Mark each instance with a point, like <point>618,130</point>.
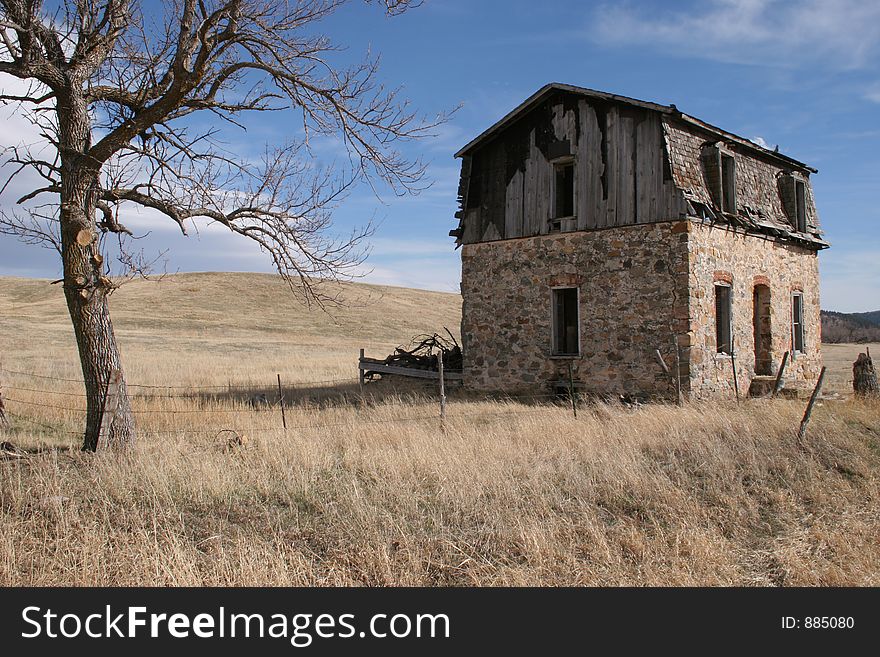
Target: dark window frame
<point>561,340</point>
<point>800,205</point>
<point>724,329</point>
<point>567,208</point>
<point>798,337</point>
<point>727,173</point>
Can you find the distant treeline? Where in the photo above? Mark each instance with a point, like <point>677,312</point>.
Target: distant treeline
<point>850,327</point>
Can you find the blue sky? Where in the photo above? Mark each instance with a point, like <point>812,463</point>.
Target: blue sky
<point>800,75</point>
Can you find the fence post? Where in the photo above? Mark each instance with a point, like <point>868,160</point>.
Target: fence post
<point>733,365</point>
<point>4,421</point>
<point>663,363</point>
<point>442,391</point>
<point>777,385</point>
<point>675,381</point>
<point>281,403</point>
<point>574,409</point>
<point>111,405</point>
<point>677,369</point>
<point>361,375</point>
<point>802,432</point>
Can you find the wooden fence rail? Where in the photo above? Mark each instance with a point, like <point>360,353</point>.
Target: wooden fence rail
<point>376,366</point>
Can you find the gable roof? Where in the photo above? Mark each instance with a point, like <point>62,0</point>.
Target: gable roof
<point>554,87</point>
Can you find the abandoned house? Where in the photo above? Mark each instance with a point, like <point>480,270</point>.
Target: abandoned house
<point>597,230</point>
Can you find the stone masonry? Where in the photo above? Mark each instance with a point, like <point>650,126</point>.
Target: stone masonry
<point>640,288</point>
<point>717,253</point>
<point>633,297</point>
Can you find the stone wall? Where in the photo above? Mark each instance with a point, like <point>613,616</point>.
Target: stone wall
<point>718,254</point>
<point>633,297</point>
<point>638,286</point>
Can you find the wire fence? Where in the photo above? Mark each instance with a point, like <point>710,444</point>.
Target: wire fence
<point>545,403</point>
<point>213,403</point>
<point>251,385</point>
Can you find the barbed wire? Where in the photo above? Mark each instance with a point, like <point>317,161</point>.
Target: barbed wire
<point>44,425</point>
<point>44,405</point>
<point>40,390</point>
<point>228,386</point>
<point>192,393</point>
<point>353,423</point>
<point>39,376</point>
<point>163,411</point>
<point>244,386</point>
<point>290,389</point>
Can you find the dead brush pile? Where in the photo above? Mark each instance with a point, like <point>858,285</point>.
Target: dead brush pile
<point>708,494</point>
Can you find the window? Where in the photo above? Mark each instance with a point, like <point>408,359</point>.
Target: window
<point>563,189</point>
<point>728,183</point>
<point>797,322</point>
<point>723,299</point>
<point>800,200</point>
<point>566,333</point>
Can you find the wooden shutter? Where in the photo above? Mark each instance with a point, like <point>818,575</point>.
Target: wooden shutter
<point>711,157</point>
<point>787,194</point>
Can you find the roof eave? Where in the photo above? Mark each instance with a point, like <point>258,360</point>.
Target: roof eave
<point>507,118</point>
<point>546,90</point>
<point>729,136</point>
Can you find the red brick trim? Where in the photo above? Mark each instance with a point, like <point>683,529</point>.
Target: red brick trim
<point>722,277</point>
<point>565,280</point>
<point>761,280</point>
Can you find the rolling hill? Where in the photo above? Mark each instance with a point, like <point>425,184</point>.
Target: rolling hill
<point>230,325</point>
<point>850,327</point>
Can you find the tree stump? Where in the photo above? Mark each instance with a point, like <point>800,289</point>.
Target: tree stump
<point>865,377</point>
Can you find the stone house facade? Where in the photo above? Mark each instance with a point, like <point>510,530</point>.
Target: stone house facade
<point>598,230</point>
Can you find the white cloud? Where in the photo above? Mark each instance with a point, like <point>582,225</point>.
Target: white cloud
<point>760,142</point>
<point>438,274</point>
<point>17,130</point>
<point>837,34</point>
<point>386,246</point>
<point>873,94</point>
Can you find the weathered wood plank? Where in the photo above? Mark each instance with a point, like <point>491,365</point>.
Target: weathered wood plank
<point>513,212</point>
<point>472,226</point>
<point>612,168</point>
<point>649,169</point>
<point>626,172</point>
<point>530,221</point>
<point>542,190</point>
<point>370,365</point>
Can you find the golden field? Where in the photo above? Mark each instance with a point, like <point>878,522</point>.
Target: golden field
<point>376,494</point>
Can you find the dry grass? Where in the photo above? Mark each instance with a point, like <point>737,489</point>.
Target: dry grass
<point>707,494</point>
<point>839,359</point>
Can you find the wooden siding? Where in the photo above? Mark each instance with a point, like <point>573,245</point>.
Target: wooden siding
<point>620,164</point>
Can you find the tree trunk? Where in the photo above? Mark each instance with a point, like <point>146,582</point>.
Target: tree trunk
<point>86,288</point>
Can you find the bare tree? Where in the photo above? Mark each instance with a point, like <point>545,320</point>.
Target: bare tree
<point>113,89</point>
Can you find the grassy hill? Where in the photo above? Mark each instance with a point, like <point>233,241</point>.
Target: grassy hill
<point>372,491</point>
<point>850,327</point>
<point>230,326</point>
